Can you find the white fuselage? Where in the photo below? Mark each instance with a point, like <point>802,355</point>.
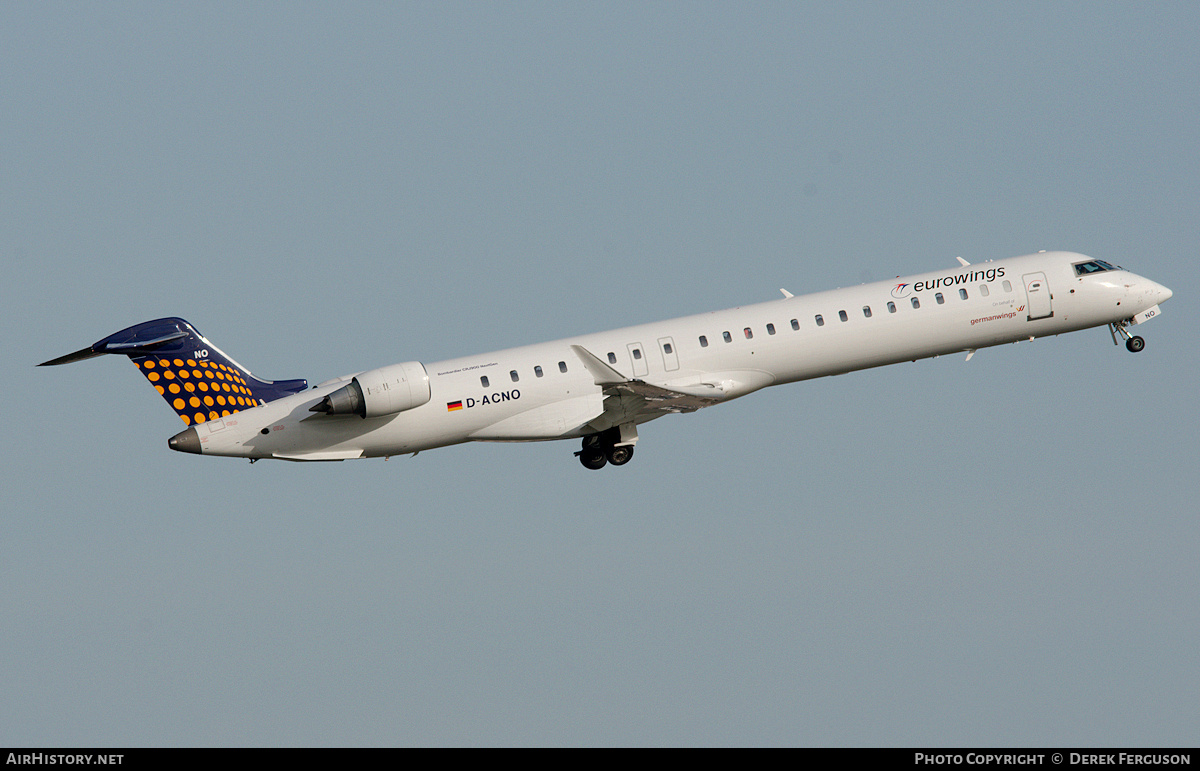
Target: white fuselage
<point>545,391</point>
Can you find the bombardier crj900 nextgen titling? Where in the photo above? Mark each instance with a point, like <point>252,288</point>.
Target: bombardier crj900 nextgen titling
<point>600,387</point>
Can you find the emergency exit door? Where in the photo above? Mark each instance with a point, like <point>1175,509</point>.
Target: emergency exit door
<point>637,357</point>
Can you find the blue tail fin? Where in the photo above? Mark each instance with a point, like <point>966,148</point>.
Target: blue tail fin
<point>194,376</point>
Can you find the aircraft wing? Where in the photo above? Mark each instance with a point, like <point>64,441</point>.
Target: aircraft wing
<point>635,401</point>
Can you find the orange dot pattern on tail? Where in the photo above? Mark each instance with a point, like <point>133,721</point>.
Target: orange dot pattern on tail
<point>212,390</point>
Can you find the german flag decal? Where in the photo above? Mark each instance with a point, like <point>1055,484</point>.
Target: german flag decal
<point>452,406</point>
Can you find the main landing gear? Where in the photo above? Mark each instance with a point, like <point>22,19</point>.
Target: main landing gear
<point>1132,343</point>
<point>602,449</point>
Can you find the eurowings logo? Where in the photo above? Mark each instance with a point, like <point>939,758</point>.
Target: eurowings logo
<point>900,291</point>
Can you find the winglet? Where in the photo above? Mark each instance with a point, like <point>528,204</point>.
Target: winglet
<point>601,372</point>
<point>964,262</point>
<point>786,293</point>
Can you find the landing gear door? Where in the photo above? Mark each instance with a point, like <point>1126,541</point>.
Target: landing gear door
<point>1037,296</point>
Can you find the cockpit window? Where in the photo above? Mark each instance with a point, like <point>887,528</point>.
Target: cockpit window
<point>1092,266</point>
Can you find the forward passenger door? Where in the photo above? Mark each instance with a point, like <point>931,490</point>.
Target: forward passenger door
<point>1037,296</point>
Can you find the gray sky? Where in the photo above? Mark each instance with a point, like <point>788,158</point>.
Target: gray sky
<point>995,553</point>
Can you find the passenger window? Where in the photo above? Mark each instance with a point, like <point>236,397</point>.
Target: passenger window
<point>867,311</point>
<point>916,303</point>
<point>820,320</point>
<point>749,335</point>
<point>770,329</point>
<point>891,307</point>
<point>612,358</point>
<point>727,337</point>
<point>562,366</point>
<point>483,381</point>
<point>1007,285</point>
<point>637,353</point>
<point>842,315</point>
<point>703,341</point>
<point>667,348</point>
<point>513,375</point>
<point>939,298</point>
<point>983,290</point>
<point>962,293</point>
<point>537,371</point>
<point>795,325</point>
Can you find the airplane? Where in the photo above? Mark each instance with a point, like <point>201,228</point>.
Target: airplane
<point>600,387</point>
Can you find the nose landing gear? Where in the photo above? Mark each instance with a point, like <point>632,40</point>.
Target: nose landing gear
<point>1133,343</point>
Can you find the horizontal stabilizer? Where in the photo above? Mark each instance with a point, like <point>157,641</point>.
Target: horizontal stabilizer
<point>143,339</point>
<point>70,358</point>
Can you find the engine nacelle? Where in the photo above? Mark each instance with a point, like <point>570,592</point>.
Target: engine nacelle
<point>382,391</point>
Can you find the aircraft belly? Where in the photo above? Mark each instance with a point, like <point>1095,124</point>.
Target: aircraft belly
<point>438,425</point>
<point>327,455</point>
<point>548,421</point>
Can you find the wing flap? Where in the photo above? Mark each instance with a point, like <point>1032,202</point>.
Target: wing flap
<point>627,400</point>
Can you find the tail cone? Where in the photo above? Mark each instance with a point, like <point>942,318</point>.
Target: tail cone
<point>186,440</point>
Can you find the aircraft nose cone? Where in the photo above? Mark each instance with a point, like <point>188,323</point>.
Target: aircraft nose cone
<point>1164,294</point>
<point>186,440</point>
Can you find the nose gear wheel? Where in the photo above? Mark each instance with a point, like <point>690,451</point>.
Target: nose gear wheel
<point>1133,343</point>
